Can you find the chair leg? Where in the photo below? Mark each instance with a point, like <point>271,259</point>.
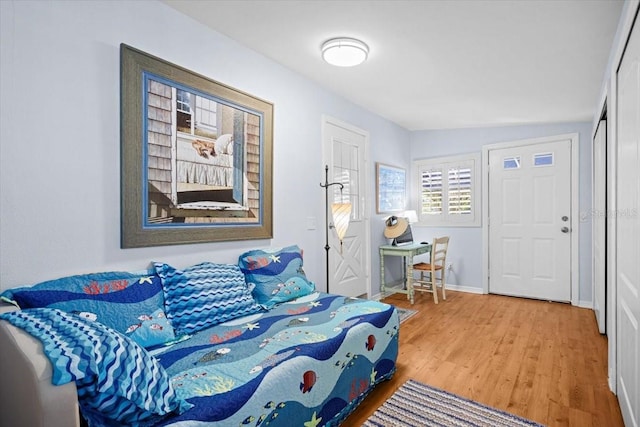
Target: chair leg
<point>434,287</point>
<point>444,294</point>
<point>429,285</point>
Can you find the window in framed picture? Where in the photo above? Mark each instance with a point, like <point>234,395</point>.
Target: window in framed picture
<point>390,188</point>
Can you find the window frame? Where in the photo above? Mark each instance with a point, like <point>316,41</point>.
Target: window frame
<point>445,164</point>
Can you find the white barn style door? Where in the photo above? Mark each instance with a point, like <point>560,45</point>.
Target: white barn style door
<point>345,149</point>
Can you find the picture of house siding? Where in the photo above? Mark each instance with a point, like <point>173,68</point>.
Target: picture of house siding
<point>202,158</point>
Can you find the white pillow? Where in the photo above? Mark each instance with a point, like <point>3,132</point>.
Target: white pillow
<point>224,143</point>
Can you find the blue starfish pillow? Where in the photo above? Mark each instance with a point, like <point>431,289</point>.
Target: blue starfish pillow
<point>131,303</point>
<point>277,274</point>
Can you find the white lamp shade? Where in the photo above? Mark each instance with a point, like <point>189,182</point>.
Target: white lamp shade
<point>412,216</point>
<point>344,52</point>
<point>341,214</point>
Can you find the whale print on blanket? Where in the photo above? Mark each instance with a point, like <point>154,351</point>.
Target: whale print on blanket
<point>282,369</point>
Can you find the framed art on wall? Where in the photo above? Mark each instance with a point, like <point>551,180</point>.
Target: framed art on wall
<point>390,188</point>
<point>196,157</point>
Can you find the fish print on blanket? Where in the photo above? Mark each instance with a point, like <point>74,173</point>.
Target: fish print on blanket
<point>309,378</point>
<point>270,361</point>
<point>371,343</point>
<point>214,355</point>
<point>304,362</point>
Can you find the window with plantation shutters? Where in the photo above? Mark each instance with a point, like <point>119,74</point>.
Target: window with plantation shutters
<point>448,190</point>
<point>431,195</point>
<point>459,194</point>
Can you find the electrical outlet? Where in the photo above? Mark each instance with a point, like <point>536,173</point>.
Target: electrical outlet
<point>449,266</point>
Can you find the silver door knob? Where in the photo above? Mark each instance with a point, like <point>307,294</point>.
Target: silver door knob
<point>565,229</point>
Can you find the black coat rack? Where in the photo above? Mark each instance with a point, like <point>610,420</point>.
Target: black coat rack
<point>326,186</point>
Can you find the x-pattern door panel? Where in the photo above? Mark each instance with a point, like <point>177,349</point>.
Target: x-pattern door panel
<point>347,261</point>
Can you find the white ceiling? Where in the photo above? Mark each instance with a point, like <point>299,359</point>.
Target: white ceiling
<point>440,63</point>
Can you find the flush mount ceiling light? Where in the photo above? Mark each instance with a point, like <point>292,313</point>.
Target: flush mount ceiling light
<point>344,52</point>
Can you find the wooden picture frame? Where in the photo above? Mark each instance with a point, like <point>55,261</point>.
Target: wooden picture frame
<point>390,188</point>
<point>196,157</point>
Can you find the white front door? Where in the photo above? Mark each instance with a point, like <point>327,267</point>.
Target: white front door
<point>628,230</point>
<point>529,220</point>
<point>598,218</point>
<point>345,150</point>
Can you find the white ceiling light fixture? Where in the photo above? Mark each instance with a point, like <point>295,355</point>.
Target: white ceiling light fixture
<point>344,52</point>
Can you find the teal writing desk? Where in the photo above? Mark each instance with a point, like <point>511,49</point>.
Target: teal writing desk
<point>407,252</point>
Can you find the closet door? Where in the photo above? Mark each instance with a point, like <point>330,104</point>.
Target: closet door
<point>628,230</point>
<point>598,219</point>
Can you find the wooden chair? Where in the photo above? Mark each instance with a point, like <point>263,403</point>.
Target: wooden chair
<point>438,264</point>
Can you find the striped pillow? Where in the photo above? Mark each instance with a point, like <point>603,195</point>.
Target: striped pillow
<point>118,382</point>
<point>204,295</point>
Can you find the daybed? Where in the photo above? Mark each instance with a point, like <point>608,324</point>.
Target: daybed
<point>295,357</point>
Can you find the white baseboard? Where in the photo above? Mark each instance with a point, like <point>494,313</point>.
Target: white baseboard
<point>612,382</point>
<point>473,290</point>
<point>376,297</point>
<point>585,304</point>
<point>468,289</point>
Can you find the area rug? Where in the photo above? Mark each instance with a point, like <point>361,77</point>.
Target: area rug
<point>405,313</point>
<point>416,404</point>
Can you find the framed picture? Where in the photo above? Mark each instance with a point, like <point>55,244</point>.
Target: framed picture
<point>196,157</point>
<point>390,188</point>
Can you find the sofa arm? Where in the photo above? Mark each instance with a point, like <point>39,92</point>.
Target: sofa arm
<point>27,397</point>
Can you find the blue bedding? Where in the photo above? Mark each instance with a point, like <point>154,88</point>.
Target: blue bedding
<point>307,362</point>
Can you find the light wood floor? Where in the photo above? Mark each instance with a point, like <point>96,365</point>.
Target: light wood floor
<point>540,360</point>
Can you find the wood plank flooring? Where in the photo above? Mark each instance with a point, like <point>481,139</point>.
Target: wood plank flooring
<point>543,361</point>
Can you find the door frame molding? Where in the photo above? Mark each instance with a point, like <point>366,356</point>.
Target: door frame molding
<point>609,100</point>
<point>597,210</point>
<point>575,208</point>
<point>607,104</point>
<point>366,174</point>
